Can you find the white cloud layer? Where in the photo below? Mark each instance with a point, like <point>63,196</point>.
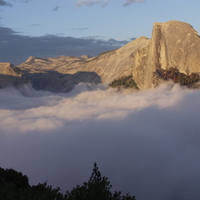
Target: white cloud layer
<point>146,142</point>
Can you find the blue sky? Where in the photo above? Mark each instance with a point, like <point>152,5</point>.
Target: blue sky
<point>96,20</point>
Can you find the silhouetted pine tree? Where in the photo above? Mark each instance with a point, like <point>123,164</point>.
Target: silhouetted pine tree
<point>97,188</point>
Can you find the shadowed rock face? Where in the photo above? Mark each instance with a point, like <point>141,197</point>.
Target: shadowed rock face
<point>11,75</point>
<point>174,45</point>
<point>56,82</point>
<point>43,79</point>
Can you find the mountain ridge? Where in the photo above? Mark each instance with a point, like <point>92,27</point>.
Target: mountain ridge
<point>173,45</point>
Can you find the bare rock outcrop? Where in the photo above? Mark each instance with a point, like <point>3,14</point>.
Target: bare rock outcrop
<point>11,75</point>
<point>174,44</point>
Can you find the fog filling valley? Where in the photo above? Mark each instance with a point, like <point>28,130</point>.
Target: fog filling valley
<point>146,142</point>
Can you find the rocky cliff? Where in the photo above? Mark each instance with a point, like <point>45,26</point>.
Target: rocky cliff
<point>173,52</point>
<point>11,75</point>
<point>174,44</point>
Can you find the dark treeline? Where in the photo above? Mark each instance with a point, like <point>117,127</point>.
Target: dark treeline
<point>15,186</point>
<point>124,82</point>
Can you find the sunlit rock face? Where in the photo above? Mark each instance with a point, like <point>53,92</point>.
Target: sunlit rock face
<point>11,75</point>
<point>174,45</point>
<point>9,69</point>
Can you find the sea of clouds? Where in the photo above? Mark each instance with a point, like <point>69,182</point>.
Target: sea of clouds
<point>146,142</point>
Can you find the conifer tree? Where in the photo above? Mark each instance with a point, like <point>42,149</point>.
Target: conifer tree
<point>97,188</point>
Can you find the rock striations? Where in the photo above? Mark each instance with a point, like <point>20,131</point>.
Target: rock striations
<point>173,52</point>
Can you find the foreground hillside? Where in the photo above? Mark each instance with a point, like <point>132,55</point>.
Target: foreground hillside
<point>173,53</point>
